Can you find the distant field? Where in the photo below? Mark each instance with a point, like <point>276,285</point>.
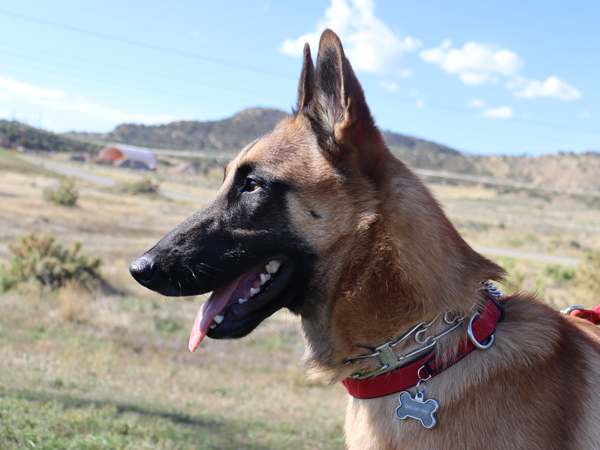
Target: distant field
<point>119,375</point>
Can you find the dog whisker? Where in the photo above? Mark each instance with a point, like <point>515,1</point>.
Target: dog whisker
<point>195,281</point>
<point>208,267</point>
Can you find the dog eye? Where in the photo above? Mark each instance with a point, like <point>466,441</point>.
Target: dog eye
<point>251,185</point>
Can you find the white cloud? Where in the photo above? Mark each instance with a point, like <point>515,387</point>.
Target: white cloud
<point>368,42</point>
<point>585,115</point>
<point>475,63</point>
<point>478,64</point>
<point>11,89</point>
<point>552,87</point>
<point>476,103</point>
<point>58,100</point>
<point>82,106</point>
<point>389,86</point>
<point>420,104</point>
<point>503,112</point>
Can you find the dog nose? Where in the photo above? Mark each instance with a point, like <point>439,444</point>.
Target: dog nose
<point>143,269</point>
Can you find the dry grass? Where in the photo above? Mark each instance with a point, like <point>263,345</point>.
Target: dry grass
<point>125,353</point>
<point>560,224</point>
<point>109,224</point>
<point>74,302</point>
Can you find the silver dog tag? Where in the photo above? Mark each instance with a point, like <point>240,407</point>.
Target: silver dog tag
<point>417,408</point>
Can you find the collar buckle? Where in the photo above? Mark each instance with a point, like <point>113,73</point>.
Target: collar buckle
<point>388,358</point>
<point>387,355</point>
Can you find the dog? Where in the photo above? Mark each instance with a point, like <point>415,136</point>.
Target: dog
<point>319,217</point>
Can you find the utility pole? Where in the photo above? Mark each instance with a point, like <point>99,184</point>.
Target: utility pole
<point>23,130</point>
<point>37,137</point>
<point>12,129</point>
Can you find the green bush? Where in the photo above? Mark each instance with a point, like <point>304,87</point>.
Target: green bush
<point>65,195</point>
<point>143,186</point>
<point>37,256</point>
<point>6,281</point>
<point>562,276</point>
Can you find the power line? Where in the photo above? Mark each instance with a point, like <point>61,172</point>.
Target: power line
<point>112,82</point>
<point>144,45</point>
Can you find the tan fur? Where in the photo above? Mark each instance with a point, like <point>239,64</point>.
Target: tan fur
<point>388,258</point>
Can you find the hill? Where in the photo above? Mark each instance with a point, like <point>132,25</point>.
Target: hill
<point>563,170</point>
<point>424,154</point>
<point>231,134</point>
<point>15,134</point>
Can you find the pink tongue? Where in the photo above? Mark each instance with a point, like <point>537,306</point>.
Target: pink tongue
<point>211,308</point>
<point>219,300</point>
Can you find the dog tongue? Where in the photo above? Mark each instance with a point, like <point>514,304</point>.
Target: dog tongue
<point>218,301</point>
<point>211,308</point>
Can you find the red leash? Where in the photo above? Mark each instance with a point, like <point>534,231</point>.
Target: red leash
<point>592,315</point>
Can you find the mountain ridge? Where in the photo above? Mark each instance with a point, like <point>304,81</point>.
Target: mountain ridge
<point>562,170</point>
<point>229,134</point>
<point>233,133</point>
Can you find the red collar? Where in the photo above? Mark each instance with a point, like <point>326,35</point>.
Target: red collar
<point>483,327</point>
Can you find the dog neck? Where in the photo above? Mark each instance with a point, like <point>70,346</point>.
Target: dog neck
<point>401,371</point>
<point>407,264</point>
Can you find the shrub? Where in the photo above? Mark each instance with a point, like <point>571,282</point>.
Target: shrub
<point>562,276</point>
<point>65,195</point>
<point>37,256</point>
<point>143,186</point>
<point>6,281</point>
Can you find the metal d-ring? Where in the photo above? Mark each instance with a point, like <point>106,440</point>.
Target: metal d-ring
<point>419,374</point>
<point>570,309</point>
<point>475,342</point>
<point>422,380</point>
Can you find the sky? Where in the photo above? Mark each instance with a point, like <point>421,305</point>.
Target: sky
<point>501,77</point>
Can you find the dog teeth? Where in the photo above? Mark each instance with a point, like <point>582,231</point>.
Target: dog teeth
<point>219,318</point>
<point>264,277</point>
<point>242,301</point>
<point>213,326</point>
<point>273,266</point>
<point>254,291</point>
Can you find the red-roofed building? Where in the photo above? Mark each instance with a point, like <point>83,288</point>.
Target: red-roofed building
<point>126,156</point>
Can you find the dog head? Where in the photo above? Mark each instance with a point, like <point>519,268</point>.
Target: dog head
<point>318,217</point>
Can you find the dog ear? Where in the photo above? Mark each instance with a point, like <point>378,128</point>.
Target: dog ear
<point>306,87</point>
<point>339,111</point>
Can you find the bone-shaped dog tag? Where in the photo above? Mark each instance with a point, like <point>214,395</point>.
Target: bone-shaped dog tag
<point>417,408</point>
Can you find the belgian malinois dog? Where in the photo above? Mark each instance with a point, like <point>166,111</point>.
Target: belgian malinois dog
<point>320,218</point>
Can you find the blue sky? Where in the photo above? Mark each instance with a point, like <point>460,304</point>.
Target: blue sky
<point>508,77</point>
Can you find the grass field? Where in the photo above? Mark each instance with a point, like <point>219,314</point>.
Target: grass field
<point>110,368</point>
